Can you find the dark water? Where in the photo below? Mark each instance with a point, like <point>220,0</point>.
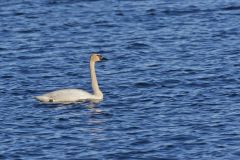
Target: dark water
<point>171,85</point>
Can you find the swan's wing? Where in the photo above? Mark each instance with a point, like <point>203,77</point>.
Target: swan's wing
<point>68,95</point>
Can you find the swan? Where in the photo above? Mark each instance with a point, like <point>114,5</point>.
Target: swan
<point>77,95</point>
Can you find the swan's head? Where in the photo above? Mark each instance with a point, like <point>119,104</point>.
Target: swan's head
<point>95,57</point>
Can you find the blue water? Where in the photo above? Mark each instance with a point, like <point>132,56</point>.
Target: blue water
<point>171,85</point>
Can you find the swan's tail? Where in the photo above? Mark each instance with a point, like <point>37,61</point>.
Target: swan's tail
<point>42,98</point>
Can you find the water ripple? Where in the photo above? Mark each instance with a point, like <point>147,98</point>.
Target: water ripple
<point>171,85</point>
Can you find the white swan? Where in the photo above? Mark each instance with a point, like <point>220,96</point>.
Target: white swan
<point>76,95</point>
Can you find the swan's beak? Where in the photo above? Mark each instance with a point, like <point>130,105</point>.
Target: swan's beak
<point>103,58</point>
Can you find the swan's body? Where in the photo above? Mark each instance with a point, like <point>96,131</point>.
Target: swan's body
<point>76,95</point>
<point>68,95</point>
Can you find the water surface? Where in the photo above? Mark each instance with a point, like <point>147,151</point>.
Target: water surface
<point>171,84</point>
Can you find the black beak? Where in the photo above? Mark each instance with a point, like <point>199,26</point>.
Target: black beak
<point>103,58</point>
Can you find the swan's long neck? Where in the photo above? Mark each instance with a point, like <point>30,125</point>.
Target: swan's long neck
<point>96,91</point>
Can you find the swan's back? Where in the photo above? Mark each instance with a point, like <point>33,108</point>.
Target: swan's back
<point>65,95</point>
